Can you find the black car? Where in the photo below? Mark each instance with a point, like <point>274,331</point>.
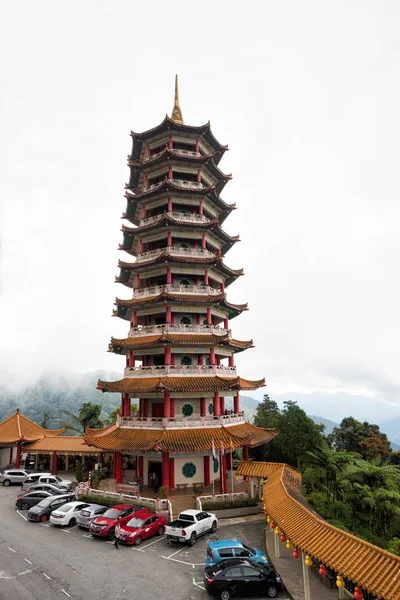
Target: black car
<point>239,577</point>
<point>41,512</point>
<point>30,499</point>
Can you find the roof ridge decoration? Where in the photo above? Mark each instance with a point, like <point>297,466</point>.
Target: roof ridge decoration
<point>176,111</point>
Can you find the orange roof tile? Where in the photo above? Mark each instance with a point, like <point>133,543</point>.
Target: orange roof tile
<point>62,443</point>
<point>185,339</point>
<point>371,568</point>
<point>136,385</point>
<point>198,439</point>
<point>18,428</point>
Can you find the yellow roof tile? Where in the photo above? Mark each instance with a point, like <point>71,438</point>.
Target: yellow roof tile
<point>18,428</point>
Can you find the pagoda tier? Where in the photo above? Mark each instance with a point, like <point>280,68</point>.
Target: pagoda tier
<point>180,353</point>
<point>178,441</point>
<point>176,224</point>
<point>185,195</point>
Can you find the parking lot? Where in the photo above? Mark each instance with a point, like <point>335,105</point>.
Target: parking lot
<point>46,562</point>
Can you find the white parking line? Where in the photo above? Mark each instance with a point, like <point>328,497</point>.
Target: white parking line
<point>65,530</point>
<point>85,535</point>
<point>177,560</point>
<point>44,525</point>
<point>151,543</point>
<point>12,550</point>
<point>47,577</point>
<point>28,561</point>
<point>66,593</point>
<point>199,585</point>
<point>22,515</point>
<point>137,549</point>
<point>24,572</point>
<point>173,554</point>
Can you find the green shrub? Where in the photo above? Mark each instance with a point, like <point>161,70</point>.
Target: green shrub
<point>227,504</point>
<point>95,481</point>
<point>163,492</point>
<point>394,546</point>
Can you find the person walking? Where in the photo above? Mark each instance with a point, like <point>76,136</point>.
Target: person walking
<point>117,533</point>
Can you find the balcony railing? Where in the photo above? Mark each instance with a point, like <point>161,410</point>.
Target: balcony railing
<point>180,328</point>
<point>186,152</point>
<point>187,184</point>
<point>174,288</point>
<point>179,422</point>
<point>181,370</point>
<point>180,216</point>
<point>173,251</point>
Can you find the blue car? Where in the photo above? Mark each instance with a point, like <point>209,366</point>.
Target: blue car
<point>226,549</point>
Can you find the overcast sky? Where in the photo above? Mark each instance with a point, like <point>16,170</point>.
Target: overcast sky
<point>307,96</point>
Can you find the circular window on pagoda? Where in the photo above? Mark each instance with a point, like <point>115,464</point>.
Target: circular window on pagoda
<point>186,361</point>
<point>211,408</point>
<point>186,321</point>
<point>185,282</point>
<point>184,246</point>
<point>189,470</point>
<point>216,465</point>
<point>207,361</point>
<point>205,321</point>
<point>187,410</point>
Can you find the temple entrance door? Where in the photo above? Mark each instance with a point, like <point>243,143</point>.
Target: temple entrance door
<point>157,410</point>
<point>155,468</point>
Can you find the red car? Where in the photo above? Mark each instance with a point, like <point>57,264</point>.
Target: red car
<point>143,525</point>
<point>104,526</point>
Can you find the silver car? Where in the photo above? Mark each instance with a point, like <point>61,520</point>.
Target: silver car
<point>32,479</point>
<point>89,514</point>
<point>48,478</point>
<point>44,487</point>
<point>10,476</point>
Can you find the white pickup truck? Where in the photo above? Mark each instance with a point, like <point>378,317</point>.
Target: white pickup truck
<point>190,525</point>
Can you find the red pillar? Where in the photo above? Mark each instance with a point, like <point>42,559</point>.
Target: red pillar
<point>223,286</point>
<point>168,315</point>
<point>229,461</point>
<point>18,459</point>
<point>226,323</point>
<point>118,467</point>
<point>170,144</point>
<point>169,275</point>
<point>114,465</point>
<point>167,406</point>
<point>203,407</point>
<point>140,466</point>
<point>206,468</point>
<point>135,319</point>
<point>216,404</point>
<point>223,473</point>
<point>206,277</point>
<point>172,407</point>
<point>171,473</point>
<point>169,239</point>
<point>54,464</point>
<point>145,407</point>
<point>245,453</point>
<point>198,175</point>
<point>165,468</point>
<point>232,360</point>
<point>169,204</point>
<point>11,455</point>
<point>222,405</point>
<point>212,356</point>
<point>209,318</point>
<point>203,241</point>
<point>236,403</point>
<point>131,359</point>
<point>201,207</point>
<point>170,172</point>
<point>125,405</point>
<point>201,360</point>
<point>167,355</point>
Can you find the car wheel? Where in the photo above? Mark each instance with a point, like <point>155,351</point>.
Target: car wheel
<point>214,526</point>
<point>138,541</point>
<point>44,518</point>
<point>161,531</point>
<point>272,591</point>
<point>71,522</point>
<point>192,540</point>
<point>225,595</point>
<point>24,506</point>
<point>6,482</point>
<point>110,534</point>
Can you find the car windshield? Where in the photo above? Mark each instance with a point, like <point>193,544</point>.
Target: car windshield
<point>111,513</point>
<point>45,503</point>
<point>58,478</point>
<point>249,549</point>
<point>67,507</point>
<point>135,522</point>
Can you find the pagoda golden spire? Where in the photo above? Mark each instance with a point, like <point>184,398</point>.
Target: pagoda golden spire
<point>176,111</point>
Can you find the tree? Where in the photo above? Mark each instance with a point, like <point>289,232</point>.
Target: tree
<point>364,438</point>
<point>45,419</point>
<point>88,416</point>
<point>112,416</point>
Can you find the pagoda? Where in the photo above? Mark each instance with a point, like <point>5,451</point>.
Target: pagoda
<point>180,353</point>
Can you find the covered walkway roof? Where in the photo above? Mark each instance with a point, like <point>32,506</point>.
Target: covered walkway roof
<point>371,568</point>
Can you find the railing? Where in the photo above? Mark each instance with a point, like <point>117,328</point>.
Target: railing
<point>154,186</point>
<point>175,288</point>
<point>179,216</point>
<point>179,423</point>
<point>155,504</point>
<point>187,152</point>
<point>187,184</point>
<point>180,328</point>
<point>162,370</point>
<point>173,251</point>
<point>218,498</point>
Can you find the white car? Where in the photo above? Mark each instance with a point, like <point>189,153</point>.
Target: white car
<point>66,514</point>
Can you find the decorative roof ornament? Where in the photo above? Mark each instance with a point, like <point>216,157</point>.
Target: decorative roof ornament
<point>176,111</point>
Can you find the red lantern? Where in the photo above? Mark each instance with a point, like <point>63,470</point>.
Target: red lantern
<point>265,513</point>
<point>358,595</point>
<point>322,571</point>
<point>296,553</point>
<point>283,537</point>
<point>273,525</point>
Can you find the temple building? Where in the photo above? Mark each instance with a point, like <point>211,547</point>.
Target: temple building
<point>179,351</point>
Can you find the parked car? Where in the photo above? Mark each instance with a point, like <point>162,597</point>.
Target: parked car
<point>88,514</point>
<point>25,501</point>
<point>49,478</point>
<point>143,525</point>
<point>9,476</point>
<point>42,511</point>
<point>239,577</point>
<point>46,487</point>
<point>67,513</point>
<point>224,549</point>
<point>190,525</point>
<point>32,479</point>
<point>104,526</point>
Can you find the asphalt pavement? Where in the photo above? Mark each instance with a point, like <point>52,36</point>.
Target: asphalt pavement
<point>44,562</point>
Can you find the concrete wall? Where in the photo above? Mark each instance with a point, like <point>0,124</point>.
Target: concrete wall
<point>5,456</point>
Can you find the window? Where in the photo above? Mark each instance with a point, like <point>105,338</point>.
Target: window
<point>211,408</point>
<point>242,553</point>
<point>185,320</point>
<point>187,410</point>
<point>154,519</point>
<point>207,361</point>
<point>234,572</point>
<point>215,465</point>
<point>249,572</point>
<point>184,246</point>
<point>147,523</point>
<point>226,553</point>
<point>189,470</point>
<point>186,360</point>
<point>184,282</point>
